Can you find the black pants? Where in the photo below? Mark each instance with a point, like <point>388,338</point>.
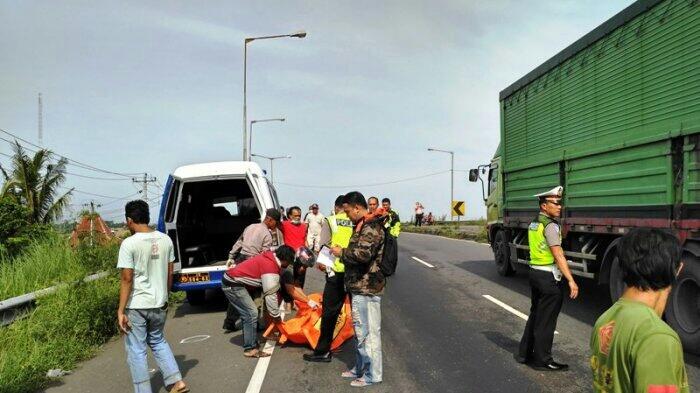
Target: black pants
<point>419,220</point>
<point>333,299</point>
<point>547,298</point>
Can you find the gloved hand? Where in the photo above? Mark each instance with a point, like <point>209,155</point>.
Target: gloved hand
<point>230,262</point>
<point>312,304</point>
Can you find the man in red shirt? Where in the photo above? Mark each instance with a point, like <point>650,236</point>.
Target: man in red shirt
<point>260,271</point>
<point>293,230</point>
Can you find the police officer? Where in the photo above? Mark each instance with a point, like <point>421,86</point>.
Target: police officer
<point>547,266</point>
<point>336,232</point>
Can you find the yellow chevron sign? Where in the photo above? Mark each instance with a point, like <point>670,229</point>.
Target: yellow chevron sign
<point>458,208</point>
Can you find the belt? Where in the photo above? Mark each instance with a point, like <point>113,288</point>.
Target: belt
<point>544,268</point>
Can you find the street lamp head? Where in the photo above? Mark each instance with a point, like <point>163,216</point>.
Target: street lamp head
<point>299,34</point>
<point>247,40</point>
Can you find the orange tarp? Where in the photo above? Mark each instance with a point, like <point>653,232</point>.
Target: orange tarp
<point>305,327</point>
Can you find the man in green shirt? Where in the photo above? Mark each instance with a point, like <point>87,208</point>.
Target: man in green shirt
<point>632,349</point>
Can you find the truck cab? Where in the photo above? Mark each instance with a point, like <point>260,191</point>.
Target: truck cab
<point>205,208</point>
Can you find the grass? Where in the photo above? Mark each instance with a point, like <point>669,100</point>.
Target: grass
<point>50,261</point>
<point>454,230</point>
<point>65,327</point>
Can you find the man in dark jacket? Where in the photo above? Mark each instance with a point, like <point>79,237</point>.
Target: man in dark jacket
<point>365,282</point>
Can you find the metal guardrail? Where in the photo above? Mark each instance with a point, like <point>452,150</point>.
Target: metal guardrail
<point>16,307</point>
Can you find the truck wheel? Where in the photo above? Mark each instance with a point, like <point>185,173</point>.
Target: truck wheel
<point>683,308</point>
<point>501,254</point>
<point>196,298</point>
<point>616,285</point>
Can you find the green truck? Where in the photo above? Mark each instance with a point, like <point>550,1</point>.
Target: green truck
<point>615,119</point>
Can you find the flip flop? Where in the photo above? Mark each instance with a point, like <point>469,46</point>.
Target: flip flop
<point>257,354</point>
<point>184,389</point>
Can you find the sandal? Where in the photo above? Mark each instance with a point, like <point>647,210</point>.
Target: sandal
<point>182,389</point>
<point>255,353</point>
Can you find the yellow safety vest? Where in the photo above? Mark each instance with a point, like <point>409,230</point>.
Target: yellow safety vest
<point>341,232</point>
<point>540,253</point>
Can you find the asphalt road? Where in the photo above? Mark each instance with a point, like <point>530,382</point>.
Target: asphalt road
<point>439,331</point>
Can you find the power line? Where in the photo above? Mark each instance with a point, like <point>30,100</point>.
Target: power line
<point>366,185</point>
<point>75,162</point>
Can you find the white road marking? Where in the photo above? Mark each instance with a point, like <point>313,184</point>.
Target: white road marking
<point>258,377</point>
<point>509,308</point>
<point>450,238</point>
<point>423,262</point>
<point>194,339</point>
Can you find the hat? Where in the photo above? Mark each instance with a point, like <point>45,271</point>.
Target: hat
<point>557,191</point>
<point>314,206</point>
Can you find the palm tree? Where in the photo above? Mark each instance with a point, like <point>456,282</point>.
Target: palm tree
<point>34,182</point>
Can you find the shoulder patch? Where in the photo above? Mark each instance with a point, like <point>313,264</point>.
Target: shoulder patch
<point>534,226</point>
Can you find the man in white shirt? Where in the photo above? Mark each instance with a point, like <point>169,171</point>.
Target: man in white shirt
<point>315,221</point>
<point>146,264</point>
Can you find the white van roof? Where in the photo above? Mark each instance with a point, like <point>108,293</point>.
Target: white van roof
<point>223,168</point>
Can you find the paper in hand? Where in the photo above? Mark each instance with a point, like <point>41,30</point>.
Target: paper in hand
<point>325,257</point>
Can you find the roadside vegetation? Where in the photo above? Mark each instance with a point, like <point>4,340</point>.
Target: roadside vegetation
<point>69,325</point>
<point>474,230</point>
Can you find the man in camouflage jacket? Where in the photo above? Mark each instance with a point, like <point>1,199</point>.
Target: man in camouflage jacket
<point>365,283</point>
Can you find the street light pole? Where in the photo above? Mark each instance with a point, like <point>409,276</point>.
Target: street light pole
<point>250,139</point>
<point>272,159</point>
<point>452,175</point>
<point>299,34</point>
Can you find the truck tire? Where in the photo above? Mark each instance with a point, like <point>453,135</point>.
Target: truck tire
<point>501,254</point>
<point>615,283</point>
<point>683,307</point>
<point>196,298</point>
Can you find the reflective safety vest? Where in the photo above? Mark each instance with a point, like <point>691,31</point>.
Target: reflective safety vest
<point>341,232</point>
<point>540,253</point>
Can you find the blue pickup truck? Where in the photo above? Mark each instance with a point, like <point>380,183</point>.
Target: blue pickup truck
<point>204,209</point>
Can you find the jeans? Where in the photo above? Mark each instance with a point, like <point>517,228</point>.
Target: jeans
<point>367,321</point>
<point>239,297</point>
<point>147,331</point>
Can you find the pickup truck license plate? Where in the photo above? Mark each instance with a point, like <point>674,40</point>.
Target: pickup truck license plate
<point>193,277</point>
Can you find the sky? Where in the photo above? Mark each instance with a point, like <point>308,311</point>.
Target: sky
<point>147,86</point>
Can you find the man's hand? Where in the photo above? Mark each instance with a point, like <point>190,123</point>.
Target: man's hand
<point>336,251</point>
<point>573,289</point>
<point>321,267</point>
<point>230,262</point>
<point>312,304</point>
<point>123,322</point>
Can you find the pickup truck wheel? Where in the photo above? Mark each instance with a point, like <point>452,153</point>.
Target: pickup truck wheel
<point>683,307</point>
<point>616,285</point>
<point>501,254</point>
<point>196,298</point>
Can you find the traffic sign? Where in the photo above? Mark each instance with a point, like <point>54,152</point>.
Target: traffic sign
<point>458,208</point>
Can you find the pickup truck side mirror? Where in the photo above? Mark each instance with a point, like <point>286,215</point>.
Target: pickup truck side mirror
<point>473,175</point>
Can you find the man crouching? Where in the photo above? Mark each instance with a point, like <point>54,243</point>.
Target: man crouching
<point>261,271</point>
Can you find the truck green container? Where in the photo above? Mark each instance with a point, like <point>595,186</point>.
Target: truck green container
<point>615,119</point>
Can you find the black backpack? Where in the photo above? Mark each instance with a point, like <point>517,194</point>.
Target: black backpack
<point>390,257</point>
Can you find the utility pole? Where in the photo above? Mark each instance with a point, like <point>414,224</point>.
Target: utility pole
<point>145,180</point>
<point>92,206</point>
<point>41,123</point>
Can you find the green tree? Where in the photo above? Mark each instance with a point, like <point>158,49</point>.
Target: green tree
<point>34,183</point>
<point>16,228</point>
